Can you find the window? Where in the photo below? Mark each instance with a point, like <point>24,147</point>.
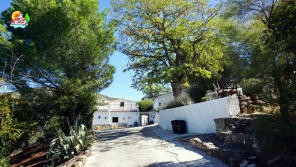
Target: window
<point>121,104</point>
<point>99,117</point>
<point>114,119</point>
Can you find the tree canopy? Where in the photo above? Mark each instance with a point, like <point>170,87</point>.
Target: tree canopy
<point>65,49</point>
<point>271,52</point>
<point>145,105</point>
<point>168,40</point>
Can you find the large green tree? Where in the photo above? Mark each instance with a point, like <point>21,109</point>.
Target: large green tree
<point>275,42</point>
<point>168,40</point>
<point>151,91</point>
<point>65,49</point>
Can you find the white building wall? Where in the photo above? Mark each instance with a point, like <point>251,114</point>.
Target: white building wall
<point>103,118</point>
<point>200,117</point>
<point>154,117</point>
<point>123,117</point>
<point>165,99</point>
<point>114,105</point>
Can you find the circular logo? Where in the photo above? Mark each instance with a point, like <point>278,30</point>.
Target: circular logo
<point>15,15</point>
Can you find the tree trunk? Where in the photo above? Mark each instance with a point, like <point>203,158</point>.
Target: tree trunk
<point>72,117</point>
<point>281,91</point>
<point>177,89</point>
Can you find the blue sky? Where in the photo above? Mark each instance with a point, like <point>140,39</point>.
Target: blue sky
<point>121,86</point>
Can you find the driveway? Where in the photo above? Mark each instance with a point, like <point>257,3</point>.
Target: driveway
<point>145,147</point>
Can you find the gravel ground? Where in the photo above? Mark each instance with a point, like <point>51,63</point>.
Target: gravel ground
<point>145,147</point>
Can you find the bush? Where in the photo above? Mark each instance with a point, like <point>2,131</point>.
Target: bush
<point>203,99</point>
<point>9,127</point>
<point>145,105</point>
<point>51,126</point>
<point>4,162</point>
<point>177,103</point>
<point>263,89</point>
<point>276,136</point>
<point>65,147</point>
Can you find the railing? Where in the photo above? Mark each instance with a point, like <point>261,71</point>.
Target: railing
<point>117,107</point>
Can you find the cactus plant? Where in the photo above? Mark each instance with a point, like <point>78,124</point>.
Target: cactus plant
<point>64,147</point>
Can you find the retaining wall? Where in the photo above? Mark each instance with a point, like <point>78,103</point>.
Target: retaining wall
<point>200,117</point>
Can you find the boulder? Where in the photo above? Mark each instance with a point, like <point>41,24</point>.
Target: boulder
<point>244,109</point>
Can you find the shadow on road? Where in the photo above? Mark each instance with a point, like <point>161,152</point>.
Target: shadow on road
<point>196,163</point>
<point>113,135</point>
<point>158,139</point>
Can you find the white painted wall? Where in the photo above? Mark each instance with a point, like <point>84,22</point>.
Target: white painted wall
<point>162,100</point>
<point>114,105</point>
<point>200,117</point>
<point>123,117</point>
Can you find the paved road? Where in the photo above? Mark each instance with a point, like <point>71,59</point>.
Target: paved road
<point>145,147</point>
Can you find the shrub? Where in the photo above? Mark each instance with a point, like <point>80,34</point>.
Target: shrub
<point>4,162</point>
<point>203,99</point>
<point>264,89</point>
<point>276,136</point>
<point>64,147</point>
<point>177,103</point>
<point>145,105</point>
<point>9,127</point>
<point>51,126</point>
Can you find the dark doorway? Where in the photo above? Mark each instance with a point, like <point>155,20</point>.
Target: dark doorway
<point>114,119</point>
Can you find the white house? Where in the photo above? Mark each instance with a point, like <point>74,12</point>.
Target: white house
<point>117,111</point>
<point>121,113</point>
<point>166,98</point>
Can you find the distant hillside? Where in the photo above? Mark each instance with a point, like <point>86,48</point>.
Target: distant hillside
<point>100,96</point>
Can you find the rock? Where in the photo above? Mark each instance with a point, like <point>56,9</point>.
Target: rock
<point>244,163</point>
<point>78,164</point>
<point>259,102</point>
<point>251,109</point>
<point>243,103</point>
<point>251,165</point>
<point>252,157</point>
<point>87,153</point>
<point>255,97</point>
<point>243,97</point>
<point>82,159</point>
<point>244,109</point>
<point>273,160</point>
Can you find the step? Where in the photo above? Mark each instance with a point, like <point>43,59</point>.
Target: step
<point>237,139</point>
<point>229,154</point>
<point>238,125</point>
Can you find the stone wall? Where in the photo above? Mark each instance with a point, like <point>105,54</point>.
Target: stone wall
<point>236,131</point>
<point>250,105</point>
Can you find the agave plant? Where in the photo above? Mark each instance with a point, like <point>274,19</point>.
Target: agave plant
<point>64,147</point>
